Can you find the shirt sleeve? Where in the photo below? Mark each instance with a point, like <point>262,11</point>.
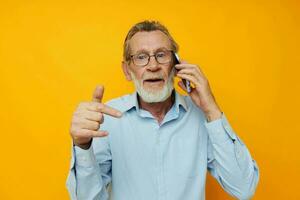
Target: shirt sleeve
<point>229,160</point>
<point>90,171</point>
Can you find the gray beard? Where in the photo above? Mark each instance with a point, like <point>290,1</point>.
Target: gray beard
<point>157,95</point>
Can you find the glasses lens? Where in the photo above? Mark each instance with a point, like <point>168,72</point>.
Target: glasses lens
<point>163,57</point>
<point>141,59</point>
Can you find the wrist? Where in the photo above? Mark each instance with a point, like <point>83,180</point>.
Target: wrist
<point>84,146</point>
<point>213,115</point>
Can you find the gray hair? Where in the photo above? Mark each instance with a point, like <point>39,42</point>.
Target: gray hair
<point>146,26</point>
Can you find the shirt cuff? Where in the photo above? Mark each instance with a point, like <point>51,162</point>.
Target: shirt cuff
<point>84,157</point>
<point>220,130</point>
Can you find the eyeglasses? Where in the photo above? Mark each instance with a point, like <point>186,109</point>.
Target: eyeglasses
<point>143,59</point>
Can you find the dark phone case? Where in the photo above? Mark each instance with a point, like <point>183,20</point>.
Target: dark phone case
<point>185,82</point>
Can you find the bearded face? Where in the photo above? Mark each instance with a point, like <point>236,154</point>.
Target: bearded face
<point>153,81</point>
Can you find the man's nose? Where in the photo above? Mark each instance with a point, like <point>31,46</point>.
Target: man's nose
<point>153,65</point>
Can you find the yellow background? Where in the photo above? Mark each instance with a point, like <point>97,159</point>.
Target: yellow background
<point>53,54</point>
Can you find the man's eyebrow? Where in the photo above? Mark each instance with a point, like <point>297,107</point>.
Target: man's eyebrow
<point>155,51</point>
<point>161,49</point>
<point>141,51</point>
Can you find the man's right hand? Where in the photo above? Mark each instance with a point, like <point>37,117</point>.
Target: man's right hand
<point>87,119</point>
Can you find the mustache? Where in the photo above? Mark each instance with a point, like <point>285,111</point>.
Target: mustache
<point>158,76</point>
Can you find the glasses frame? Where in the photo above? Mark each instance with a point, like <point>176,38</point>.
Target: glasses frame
<point>153,55</point>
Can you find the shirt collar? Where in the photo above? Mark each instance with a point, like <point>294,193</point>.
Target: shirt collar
<point>132,102</point>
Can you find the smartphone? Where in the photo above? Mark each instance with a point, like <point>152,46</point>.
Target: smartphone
<point>185,82</point>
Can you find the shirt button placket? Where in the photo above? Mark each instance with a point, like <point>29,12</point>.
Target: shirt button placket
<point>159,163</point>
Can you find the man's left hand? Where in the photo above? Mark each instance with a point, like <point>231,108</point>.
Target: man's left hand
<point>201,93</point>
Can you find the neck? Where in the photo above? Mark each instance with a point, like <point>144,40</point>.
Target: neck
<point>159,109</point>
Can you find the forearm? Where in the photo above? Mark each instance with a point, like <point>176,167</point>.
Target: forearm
<point>232,164</point>
<point>85,179</point>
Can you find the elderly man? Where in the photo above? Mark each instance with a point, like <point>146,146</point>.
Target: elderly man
<point>155,144</point>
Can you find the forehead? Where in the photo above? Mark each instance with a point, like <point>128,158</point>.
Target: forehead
<point>149,41</point>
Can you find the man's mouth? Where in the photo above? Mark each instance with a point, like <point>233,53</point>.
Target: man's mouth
<point>154,80</point>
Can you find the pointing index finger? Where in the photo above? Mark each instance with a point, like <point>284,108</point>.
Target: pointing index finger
<point>110,111</point>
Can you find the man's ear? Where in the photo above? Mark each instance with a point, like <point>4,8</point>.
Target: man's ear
<point>126,72</point>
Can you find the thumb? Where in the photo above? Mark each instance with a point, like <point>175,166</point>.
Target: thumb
<point>98,93</point>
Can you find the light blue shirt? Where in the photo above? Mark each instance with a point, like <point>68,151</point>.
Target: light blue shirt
<point>144,160</point>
